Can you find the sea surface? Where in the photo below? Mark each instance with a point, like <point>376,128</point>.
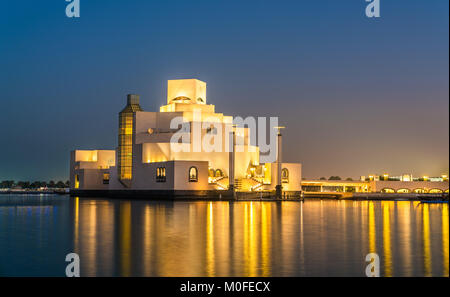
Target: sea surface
<point>166,238</point>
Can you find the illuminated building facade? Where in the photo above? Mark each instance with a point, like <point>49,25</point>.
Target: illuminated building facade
<point>163,154</point>
<point>403,184</point>
<point>125,149</point>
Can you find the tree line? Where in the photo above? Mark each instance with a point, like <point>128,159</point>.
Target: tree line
<point>9,184</point>
<point>336,178</point>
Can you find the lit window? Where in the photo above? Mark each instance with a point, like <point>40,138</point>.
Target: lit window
<point>77,181</point>
<point>105,178</point>
<point>181,99</point>
<point>285,175</point>
<point>161,174</point>
<point>193,174</point>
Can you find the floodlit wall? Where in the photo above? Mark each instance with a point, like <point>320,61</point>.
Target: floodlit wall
<point>94,158</point>
<point>89,179</point>
<point>193,89</point>
<point>294,179</point>
<point>145,177</point>
<point>181,177</point>
<point>176,176</point>
<point>90,165</point>
<point>153,136</point>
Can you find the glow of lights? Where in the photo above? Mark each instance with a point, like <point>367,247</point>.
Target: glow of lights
<point>445,237</point>
<point>426,240</point>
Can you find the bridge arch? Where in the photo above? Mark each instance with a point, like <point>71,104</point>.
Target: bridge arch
<point>387,190</point>
<point>435,191</point>
<point>403,190</point>
<point>420,191</point>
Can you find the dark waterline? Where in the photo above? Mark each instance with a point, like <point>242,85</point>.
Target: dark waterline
<point>161,238</point>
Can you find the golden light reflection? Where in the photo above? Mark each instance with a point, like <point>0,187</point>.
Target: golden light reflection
<point>426,239</point>
<point>372,230</point>
<point>265,238</point>
<point>105,219</point>
<point>246,241</point>
<point>210,258</point>
<point>445,239</point>
<point>405,228</point>
<point>387,239</point>
<point>125,238</point>
<point>256,238</point>
<point>252,243</point>
<point>222,238</point>
<point>147,240</point>
<point>91,245</point>
<point>76,224</point>
<point>302,245</point>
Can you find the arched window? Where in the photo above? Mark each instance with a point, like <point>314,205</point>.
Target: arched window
<point>193,174</point>
<point>219,173</point>
<point>181,99</point>
<point>284,175</point>
<point>161,174</point>
<point>105,178</point>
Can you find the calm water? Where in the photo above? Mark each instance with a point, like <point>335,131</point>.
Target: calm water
<point>147,238</point>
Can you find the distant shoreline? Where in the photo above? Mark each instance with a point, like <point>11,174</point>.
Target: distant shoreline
<point>310,196</point>
<point>31,192</point>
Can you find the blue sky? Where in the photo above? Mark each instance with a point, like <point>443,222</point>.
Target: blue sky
<point>357,95</point>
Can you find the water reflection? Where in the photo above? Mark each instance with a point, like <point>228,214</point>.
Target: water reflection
<point>147,238</point>
<point>387,238</point>
<point>445,238</point>
<point>259,238</point>
<point>372,230</point>
<point>210,258</point>
<point>404,213</point>
<point>426,239</point>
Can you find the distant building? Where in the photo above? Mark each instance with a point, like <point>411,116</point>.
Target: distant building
<point>148,162</point>
<point>374,183</point>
